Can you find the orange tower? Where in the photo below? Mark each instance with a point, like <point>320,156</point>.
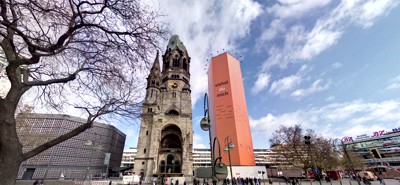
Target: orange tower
<point>228,110</point>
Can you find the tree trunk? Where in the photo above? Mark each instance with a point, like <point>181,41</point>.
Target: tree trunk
<point>306,173</point>
<point>10,147</point>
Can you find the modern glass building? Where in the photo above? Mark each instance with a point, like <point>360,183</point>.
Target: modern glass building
<point>83,155</point>
<point>380,149</point>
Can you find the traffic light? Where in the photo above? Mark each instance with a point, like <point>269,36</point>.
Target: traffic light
<point>307,140</point>
<point>375,153</point>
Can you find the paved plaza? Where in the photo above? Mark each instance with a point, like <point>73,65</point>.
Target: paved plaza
<point>341,182</point>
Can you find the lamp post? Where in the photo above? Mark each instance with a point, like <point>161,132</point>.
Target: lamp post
<point>228,147</point>
<point>219,169</point>
<point>347,157</point>
<point>307,141</point>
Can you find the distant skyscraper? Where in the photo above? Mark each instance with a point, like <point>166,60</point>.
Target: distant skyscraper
<point>228,110</point>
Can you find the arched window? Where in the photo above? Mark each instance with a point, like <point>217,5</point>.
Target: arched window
<point>175,63</point>
<point>162,167</point>
<point>170,163</point>
<point>177,167</point>
<point>185,66</point>
<point>173,112</point>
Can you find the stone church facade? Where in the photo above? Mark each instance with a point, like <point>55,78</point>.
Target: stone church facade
<point>166,131</point>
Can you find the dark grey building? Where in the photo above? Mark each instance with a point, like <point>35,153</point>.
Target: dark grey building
<point>75,158</point>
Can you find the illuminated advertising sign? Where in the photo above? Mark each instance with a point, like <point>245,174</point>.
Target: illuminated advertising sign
<point>378,133</point>
<point>347,139</point>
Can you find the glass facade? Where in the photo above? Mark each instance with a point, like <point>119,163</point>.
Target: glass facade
<point>379,150</point>
<point>75,158</point>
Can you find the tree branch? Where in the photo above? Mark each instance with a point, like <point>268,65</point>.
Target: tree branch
<point>58,80</point>
<point>60,139</point>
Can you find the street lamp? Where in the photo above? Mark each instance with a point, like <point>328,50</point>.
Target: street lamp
<point>307,141</point>
<point>219,169</point>
<point>228,147</point>
<point>347,157</point>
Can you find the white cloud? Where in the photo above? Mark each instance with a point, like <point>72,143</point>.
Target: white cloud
<point>394,83</point>
<point>295,8</point>
<point>330,98</point>
<point>303,44</point>
<point>366,13</point>
<point>336,65</point>
<point>285,84</point>
<point>317,86</point>
<point>198,142</point>
<point>335,119</point>
<point>276,26</point>
<point>261,83</point>
<point>318,40</point>
<point>205,27</point>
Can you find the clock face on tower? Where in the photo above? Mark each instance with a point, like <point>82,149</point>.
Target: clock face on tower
<point>173,85</point>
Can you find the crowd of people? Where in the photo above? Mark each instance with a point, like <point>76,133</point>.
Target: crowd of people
<point>234,181</point>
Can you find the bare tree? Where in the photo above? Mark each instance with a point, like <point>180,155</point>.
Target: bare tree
<point>326,157</point>
<point>291,140</point>
<point>82,53</point>
<point>356,160</point>
<point>300,155</point>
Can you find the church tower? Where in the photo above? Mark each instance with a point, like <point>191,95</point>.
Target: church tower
<point>166,131</point>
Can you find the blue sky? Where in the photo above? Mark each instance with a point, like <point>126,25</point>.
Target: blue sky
<point>332,66</point>
<point>329,65</point>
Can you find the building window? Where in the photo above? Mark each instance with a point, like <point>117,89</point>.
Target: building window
<point>175,63</point>
<point>173,94</point>
<point>175,76</point>
<point>142,163</point>
<point>144,151</point>
<point>185,66</point>
<point>147,132</point>
<point>149,109</point>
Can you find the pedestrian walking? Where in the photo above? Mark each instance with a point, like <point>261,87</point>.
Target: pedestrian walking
<point>110,183</point>
<point>177,182</point>
<point>380,179</point>
<point>36,182</point>
<point>270,182</point>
